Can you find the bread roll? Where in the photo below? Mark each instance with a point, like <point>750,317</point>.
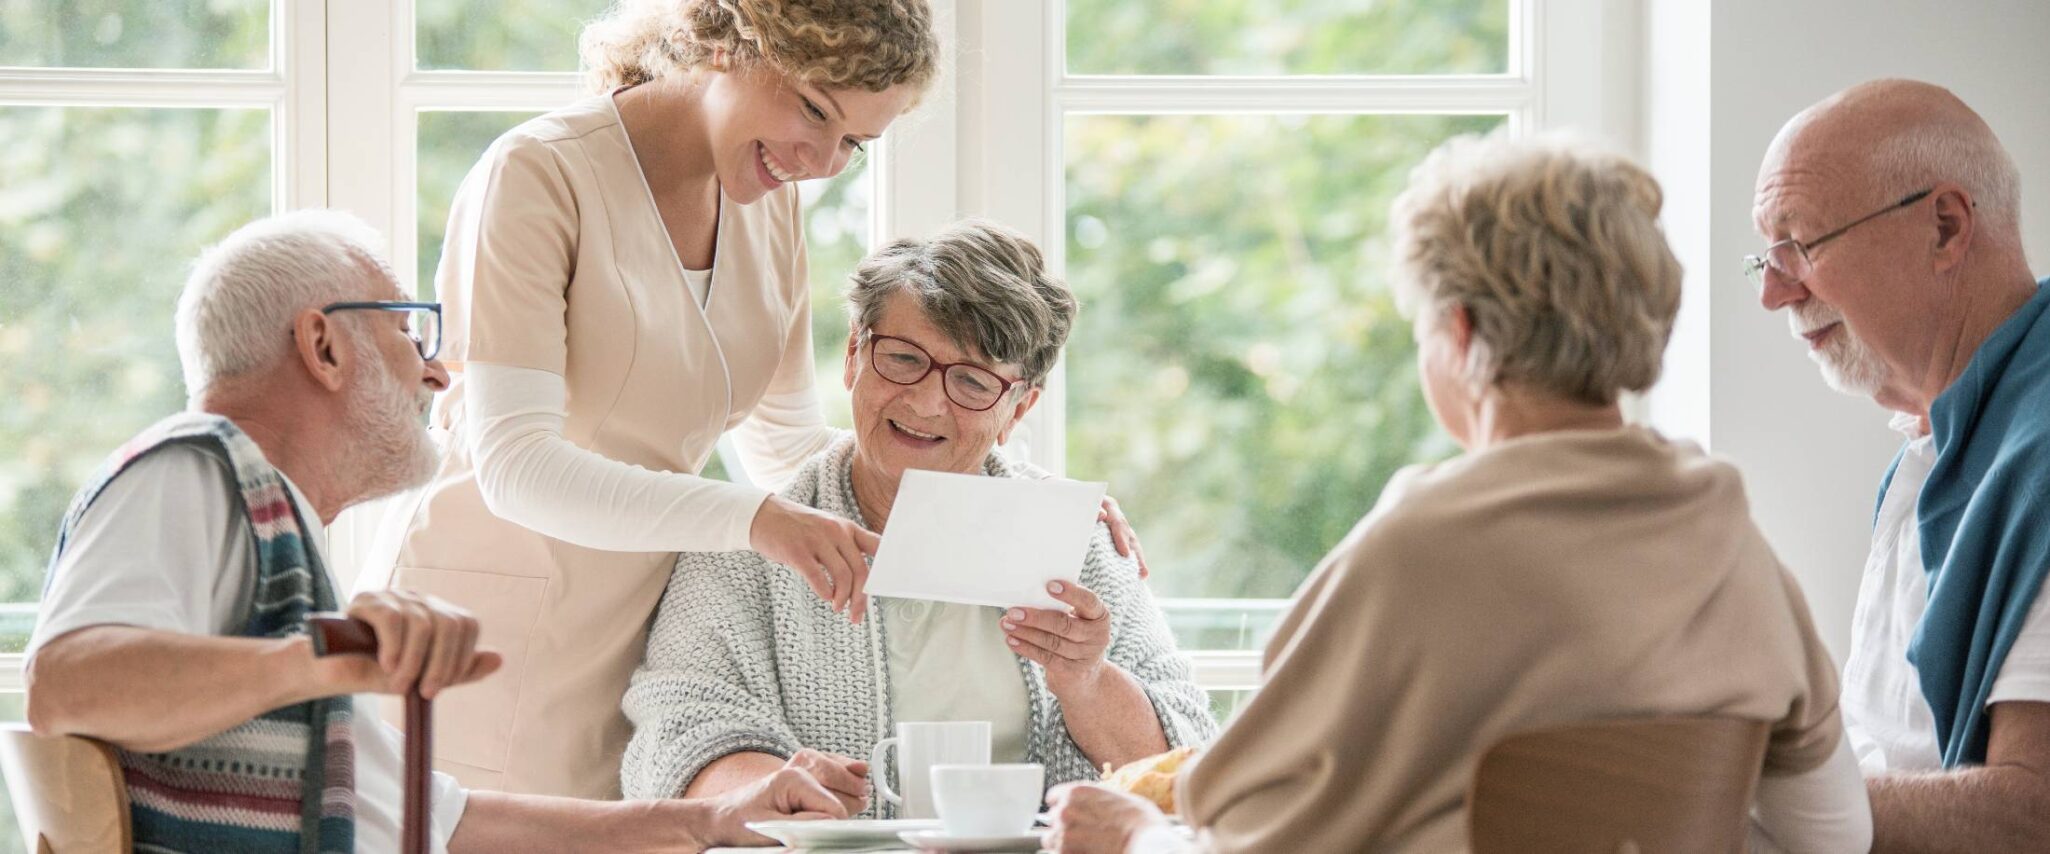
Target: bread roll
<point>1152,778</point>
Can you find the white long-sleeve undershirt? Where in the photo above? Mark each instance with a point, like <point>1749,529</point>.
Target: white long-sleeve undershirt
<point>1824,809</point>
<point>534,476</point>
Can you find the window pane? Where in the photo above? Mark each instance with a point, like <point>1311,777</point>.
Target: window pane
<point>502,35</point>
<point>836,215</point>
<point>1238,372</point>
<point>1222,624</point>
<point>1258,37</point>
<point>135,33</point>
<point>101,211</point>
<point>1225,705</point>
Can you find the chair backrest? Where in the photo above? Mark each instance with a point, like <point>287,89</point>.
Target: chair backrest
<point>67,791</point>
<point>1669,784</point>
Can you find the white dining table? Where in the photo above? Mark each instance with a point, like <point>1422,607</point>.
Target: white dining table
<point>780,850</point>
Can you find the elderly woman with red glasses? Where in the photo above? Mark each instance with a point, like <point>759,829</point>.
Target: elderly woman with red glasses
<point>748,671</point>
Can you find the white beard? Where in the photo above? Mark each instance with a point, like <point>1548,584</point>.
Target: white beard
<point>1848,364</point>
<point>392,452</point>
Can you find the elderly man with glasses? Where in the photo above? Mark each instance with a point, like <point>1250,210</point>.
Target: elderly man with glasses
<point>1894,220</point>
<point>174,622</point>
<point>748,672</point>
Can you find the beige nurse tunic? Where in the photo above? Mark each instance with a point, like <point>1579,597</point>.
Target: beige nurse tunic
<point>557,260</point>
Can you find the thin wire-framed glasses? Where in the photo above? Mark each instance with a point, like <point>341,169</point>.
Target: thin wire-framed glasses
<point>969,386</point>
<point>423,321</point>
<point>1790,258</point>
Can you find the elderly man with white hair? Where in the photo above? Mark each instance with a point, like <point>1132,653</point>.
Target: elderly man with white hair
<point>173,625</point>
<point>1893,215</point>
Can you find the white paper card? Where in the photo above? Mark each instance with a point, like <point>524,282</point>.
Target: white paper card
<point>983,540</point>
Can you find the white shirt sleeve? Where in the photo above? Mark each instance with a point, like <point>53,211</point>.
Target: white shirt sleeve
<point>783,431</point>
<point>1821,810</point>
<point>532,475</point>
<point>159,549</point>
<point>2025,673</point>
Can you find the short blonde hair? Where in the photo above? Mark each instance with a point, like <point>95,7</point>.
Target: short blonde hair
<point>984,285</point>
<point>1554,249</point>
<point>865,44</point>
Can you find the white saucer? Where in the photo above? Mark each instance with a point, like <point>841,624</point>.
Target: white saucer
<point>840,833</point>
<point>938,840</point>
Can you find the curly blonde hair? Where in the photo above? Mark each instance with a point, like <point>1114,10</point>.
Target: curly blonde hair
<point>866,44</point>
<point>1554,249</point>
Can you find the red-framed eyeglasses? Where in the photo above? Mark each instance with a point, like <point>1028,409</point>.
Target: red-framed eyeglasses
<point>969,386</point>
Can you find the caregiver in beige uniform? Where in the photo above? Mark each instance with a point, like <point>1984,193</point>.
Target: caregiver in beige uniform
<point>624,281</point>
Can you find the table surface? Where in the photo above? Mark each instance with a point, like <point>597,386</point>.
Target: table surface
<point>813,851</point>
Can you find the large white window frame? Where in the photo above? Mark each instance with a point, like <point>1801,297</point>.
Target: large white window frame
<point>345,97</point>
<point>1572,64</point>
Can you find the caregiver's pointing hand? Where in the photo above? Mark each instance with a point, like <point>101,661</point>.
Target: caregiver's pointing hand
<point>826,550</point>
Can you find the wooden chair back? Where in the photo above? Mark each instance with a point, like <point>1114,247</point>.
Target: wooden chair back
<point>1673,784</point>
<point>68,792</point>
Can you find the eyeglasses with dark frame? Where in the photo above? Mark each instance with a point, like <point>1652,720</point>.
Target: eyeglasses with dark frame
<point>423,321</point>
<point>1790,257</point>
<point>970,386</point>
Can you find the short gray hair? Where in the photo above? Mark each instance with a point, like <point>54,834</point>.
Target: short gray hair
<point>982,284</point>
<point>235,314</point>
<point>1915,156</point>
<point>1554,249</point>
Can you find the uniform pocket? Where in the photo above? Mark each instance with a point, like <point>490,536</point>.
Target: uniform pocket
<point>473,723</point>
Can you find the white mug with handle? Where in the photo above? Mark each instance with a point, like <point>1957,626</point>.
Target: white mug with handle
<point>920,746</point>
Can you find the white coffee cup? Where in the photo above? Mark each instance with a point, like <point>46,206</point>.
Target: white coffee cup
<point>988,800</point>
<point>920,746</point>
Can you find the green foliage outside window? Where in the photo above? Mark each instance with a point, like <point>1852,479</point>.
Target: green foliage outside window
<point>501,35</point>
<point>1288,36</point>
<point>135,34</point>
<point>1239,373</point>
<point>101,213</point>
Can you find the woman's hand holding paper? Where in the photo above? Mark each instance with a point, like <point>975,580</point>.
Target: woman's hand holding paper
<point>1070,644</point>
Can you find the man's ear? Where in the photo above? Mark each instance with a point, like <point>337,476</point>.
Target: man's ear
<point>316,340</point>
<point>1025,403</point>
<point>1957,217</point>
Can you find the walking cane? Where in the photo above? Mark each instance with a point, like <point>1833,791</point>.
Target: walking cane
<point>334,634</point>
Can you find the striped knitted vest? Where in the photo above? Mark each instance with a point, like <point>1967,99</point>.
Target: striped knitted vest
<point>284,781</point>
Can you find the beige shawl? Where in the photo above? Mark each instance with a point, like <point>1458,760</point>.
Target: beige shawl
<point>1550,579</point>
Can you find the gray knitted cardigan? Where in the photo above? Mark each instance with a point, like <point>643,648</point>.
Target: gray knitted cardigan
<point>744,657</point>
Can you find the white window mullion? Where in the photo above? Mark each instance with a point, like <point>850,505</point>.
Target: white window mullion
<point>488,90</point>
<point>99,87</point>
<point>1049,426</point>
<point>1583,55</point>
<point>299,129</point>
<point>1006,120</point>
<point>916,167</point>
<point>362,75</point>
<point>1225,670</point>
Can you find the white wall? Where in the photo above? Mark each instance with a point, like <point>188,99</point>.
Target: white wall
<point>1811,458</point>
